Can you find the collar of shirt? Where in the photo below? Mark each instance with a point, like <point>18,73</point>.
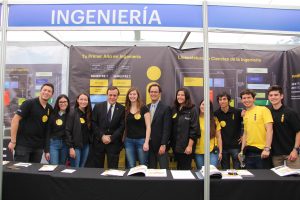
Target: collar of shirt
<point>154,105</point>
<point>112,108</point>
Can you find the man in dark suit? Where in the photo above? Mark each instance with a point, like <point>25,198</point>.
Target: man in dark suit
<point>108,127</point>
<point>160,129</point>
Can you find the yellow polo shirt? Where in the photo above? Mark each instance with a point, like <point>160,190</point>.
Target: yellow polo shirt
<point>254,125</point>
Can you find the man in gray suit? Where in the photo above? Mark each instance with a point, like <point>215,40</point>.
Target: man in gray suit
<point>160,129</point>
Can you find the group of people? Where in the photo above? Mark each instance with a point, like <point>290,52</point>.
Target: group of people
<point>86,136</point>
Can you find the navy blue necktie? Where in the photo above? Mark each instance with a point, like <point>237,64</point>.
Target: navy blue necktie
<point>109,113</point>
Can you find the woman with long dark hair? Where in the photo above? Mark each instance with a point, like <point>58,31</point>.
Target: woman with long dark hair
<point>185,129</point>
<point>78,130</point>
<point>56,150</point>
<point>215,139</point>
<point>137,129</point>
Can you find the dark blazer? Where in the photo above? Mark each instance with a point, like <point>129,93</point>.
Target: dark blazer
<point>160,126</point>
<point>115,128</point>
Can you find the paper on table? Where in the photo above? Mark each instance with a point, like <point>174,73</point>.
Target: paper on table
<point>113,172</point>
<point>182,174</point>
<point>22,164</point>
<point>5,162</point>
<point>47,168</point>
<point>68,171</point>
<point>244,173</point>
<point>156,173</point>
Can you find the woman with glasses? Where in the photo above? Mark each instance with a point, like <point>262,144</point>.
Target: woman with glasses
<point>78,130</point>
<point>56,150</point>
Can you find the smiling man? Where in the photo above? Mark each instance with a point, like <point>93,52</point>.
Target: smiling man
<point>258,132</point>
<point>160,129</point>
<point>28,127</point>
<point>108,127</point>
<point>286,137</point>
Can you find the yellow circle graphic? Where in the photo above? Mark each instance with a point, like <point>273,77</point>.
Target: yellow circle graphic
<point>137,116</point>
<point>153,73</point>
<point>59,122</point>
<point>174,116</point>
<point>45,118</point>
<point>222,123</point>
<point>82,120</point>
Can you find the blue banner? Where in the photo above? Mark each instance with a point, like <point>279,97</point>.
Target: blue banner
<point>99,15</point>
<point>254,18</point>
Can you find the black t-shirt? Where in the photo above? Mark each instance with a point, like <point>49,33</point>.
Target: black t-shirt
<point>135,124</point>
<point>231,127</point>
<point>33,125</point>
<point>286,125</point>
<point>57,125</point>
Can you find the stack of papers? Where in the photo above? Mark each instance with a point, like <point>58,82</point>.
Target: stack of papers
<point>113,172</point>
<point>285,171</point>
<point>21,164</point>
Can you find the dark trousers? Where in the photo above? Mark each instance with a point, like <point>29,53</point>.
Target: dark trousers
<point>154,158</point>
<point>28,154</point>
<point>226,155</point>
<point>97,156</point>
<point>184,161</point>
<point>253,160</point>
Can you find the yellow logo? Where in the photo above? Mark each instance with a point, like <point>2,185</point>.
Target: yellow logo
<point>45,118</point>
<point>82,120</point>
<point>137,116</point>
<point>174,116</point>
<point>59,122</point>
<point>222,123</point>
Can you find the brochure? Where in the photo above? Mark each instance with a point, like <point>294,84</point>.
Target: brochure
<point>244,173</point>
<point>285,171</point>
<point>47,168</point>
<point>22,164</point>
<point>182,174</point>
<point>213,171</point>
<point>113,172</point>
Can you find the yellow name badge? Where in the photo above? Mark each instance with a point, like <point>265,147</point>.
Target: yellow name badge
<point>222,123</point>
<point>59,122</point>
<point>82,120</point>
<point>174,116</point>
<point>137,116</point>
<point>45,118</point>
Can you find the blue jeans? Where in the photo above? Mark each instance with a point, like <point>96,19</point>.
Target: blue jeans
<point>134,147</point>
<point>199,158</point>
<point>81,156</point>
<point>58,152</point>
<point>233,153</point>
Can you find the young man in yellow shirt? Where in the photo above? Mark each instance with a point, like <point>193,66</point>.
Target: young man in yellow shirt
<point>258,132</point>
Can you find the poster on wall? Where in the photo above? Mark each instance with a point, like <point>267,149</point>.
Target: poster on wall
<point>23,81</point>
<point>93,69</point>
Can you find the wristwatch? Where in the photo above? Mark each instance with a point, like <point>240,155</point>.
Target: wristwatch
<point>297,148</point>
<point>267,148</point>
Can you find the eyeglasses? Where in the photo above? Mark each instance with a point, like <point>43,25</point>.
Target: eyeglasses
<point>62,102</point>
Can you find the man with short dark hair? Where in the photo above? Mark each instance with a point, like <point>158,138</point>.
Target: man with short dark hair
<point>286,127</point>
<point>258,132</point>
<point>160,129</point>
<point>231,130</point>
<point>28,127</point>
<point>108,128</point>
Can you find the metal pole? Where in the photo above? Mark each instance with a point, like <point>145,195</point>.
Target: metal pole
<point>184,40</point>
<point>2,71</point>
<point>206,102</point>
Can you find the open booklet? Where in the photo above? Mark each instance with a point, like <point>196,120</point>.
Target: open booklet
<point>142,170</point>
<point>285,171</point>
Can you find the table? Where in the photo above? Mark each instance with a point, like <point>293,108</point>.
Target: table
<point>87,183</point>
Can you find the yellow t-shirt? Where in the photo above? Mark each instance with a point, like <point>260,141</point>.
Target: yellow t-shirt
<point>200,142</point>
<point>254,125</point>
